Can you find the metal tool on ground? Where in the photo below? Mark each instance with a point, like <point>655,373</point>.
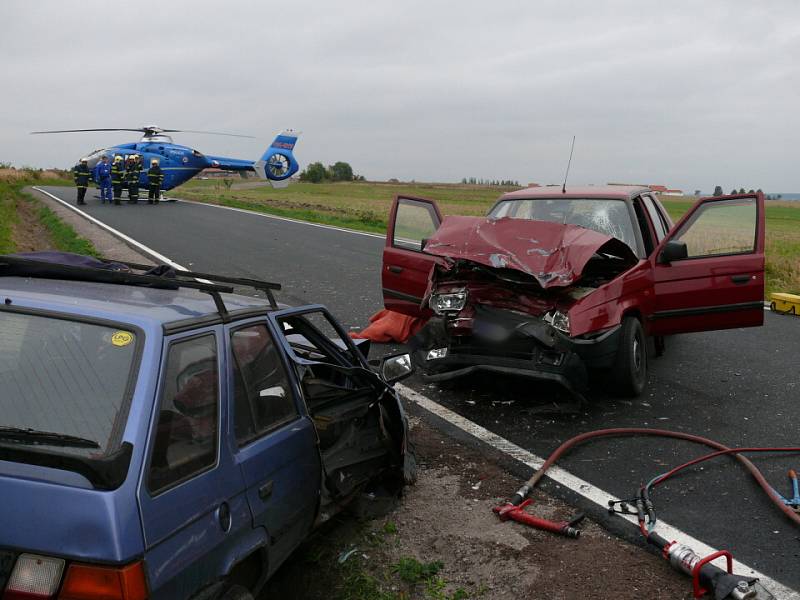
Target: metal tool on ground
<point>706,577</point>
<point>520,515</point>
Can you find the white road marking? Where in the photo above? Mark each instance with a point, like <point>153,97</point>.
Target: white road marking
<point>157,255</point>
<point>557,474</point>
<point>269,216</point>
<point>579,486</point>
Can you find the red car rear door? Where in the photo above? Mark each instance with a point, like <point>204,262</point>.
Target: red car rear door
<point>709,271</point>
<point>406,267</point>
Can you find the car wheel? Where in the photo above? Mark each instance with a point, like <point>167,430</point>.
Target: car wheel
<point>236,592</point>
<point>629,372</point>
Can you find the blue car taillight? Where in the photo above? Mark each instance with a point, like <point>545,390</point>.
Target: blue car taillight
<point>34,577</point>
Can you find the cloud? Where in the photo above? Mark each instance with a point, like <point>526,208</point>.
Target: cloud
<point>686,94</point>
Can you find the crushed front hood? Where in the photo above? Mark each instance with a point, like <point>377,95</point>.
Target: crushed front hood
<point>552,253</point>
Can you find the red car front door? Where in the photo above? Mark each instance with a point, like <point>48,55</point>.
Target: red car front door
<point>708,272</point>
<point>406,267</point>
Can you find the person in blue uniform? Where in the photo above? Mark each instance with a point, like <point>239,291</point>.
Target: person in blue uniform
<point>82,175</point>
<point>103,177</point>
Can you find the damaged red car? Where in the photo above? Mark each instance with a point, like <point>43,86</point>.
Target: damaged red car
<point>556,284</point>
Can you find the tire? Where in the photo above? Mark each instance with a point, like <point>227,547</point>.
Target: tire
<point>629,372</point>
<point>236,592</point>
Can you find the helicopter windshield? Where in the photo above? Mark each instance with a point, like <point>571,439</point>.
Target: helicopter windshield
<point>94,157</point>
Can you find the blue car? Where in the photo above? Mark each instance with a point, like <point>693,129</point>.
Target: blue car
<point>162,437</point>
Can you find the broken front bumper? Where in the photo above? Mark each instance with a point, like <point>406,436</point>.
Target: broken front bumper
<point>509,343</point>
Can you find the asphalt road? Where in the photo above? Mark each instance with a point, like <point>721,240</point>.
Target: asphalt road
<point>740,387</point>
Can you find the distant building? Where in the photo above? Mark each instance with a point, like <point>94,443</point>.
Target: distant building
<point>530,185</point>
<point>673,192</point>
<point>658,189</point>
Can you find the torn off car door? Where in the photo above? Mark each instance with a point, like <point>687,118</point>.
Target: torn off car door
<point>406,267</point>
<point>361,426</point>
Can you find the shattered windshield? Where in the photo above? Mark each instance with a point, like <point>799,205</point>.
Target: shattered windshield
<point>607,216</point>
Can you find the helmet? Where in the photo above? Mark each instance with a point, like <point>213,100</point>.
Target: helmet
<point>153,161</point>
<point>84,160</point>
<point>117,158</point>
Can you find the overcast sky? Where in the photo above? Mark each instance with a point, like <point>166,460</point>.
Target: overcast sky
<point>687,94</point>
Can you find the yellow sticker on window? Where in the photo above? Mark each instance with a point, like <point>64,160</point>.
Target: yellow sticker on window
<point>121,338</point>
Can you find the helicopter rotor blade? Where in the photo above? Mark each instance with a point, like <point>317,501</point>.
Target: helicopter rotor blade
<point>207,133</point>
<point>82,130</point>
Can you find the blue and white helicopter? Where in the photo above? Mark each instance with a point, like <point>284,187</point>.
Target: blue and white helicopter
<point>181,163</point>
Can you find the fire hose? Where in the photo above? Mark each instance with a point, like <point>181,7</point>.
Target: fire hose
<point>707,578</point>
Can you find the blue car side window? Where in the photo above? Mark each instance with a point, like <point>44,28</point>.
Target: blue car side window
<point>186,433</point>
<point>262,396</point>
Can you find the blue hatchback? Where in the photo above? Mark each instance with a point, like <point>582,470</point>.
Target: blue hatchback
<point>161,437</point>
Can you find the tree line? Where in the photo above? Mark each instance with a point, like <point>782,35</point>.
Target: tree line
<point>476,181</point>
<point>316,172</point>
<point>718,192</point>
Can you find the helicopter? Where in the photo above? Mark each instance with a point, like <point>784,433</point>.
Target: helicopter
<point>180,163</point>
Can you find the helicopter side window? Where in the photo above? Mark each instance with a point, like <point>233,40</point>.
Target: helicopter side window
<point>197,154</point>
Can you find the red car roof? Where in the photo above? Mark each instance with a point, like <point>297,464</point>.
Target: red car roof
<point>586,191</point>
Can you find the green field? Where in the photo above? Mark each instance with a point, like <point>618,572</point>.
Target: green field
<point>365,206</point>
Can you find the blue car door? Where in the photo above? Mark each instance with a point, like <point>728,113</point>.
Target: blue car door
<point>193,507</point>
<point>274,439</point>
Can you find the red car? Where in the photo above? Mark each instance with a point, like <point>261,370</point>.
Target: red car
<point>552,284</point>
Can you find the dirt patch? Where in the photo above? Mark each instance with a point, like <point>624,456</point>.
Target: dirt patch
<point>28,234</point>
<point>442,542</point>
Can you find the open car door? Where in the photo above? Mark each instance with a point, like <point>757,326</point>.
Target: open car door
<point>709,270</point>
<point>361,426</point>
<point>405,270</point>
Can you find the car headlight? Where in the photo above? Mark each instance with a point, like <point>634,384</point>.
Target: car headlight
<point>558,320</point>
<point>449,302</point>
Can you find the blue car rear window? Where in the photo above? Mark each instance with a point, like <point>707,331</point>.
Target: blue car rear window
<point>65,377</point>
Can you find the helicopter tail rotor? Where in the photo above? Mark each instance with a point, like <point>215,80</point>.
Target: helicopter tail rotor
<point>278,163</point>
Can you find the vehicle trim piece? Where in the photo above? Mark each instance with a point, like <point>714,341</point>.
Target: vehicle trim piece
<point>705,310</point>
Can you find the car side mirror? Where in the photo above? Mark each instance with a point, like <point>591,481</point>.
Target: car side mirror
<point>423,243</point>
<point>395,368</point>
<point>673,250</point>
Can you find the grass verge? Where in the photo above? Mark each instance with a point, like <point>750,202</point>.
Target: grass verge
<point>57,234</point>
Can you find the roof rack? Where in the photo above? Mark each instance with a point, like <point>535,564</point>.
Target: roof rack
<point>169,278</point>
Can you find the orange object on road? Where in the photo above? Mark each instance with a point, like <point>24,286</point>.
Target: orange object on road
<point>389,326</point>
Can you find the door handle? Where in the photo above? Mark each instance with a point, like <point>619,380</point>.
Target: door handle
<point>740,279</point>
<point>265,491</point>
<point>395,269</point>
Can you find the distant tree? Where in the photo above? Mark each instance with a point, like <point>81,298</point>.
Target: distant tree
<point>394,180</point>
<point>463,180</point>
<point>340,171</point>
<point>741,190</point>
<point>758,191</point>
<point>718,191</point>
<point>734,192</point>
<point>778,197</point>
<point>313,173</point>
<point>751,191</point>
<point>698,193</point>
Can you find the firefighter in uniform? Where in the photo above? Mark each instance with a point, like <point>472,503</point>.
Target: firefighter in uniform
<point>103,176</point>
<point>132,171</point>
<point>117,177</point>
<point>155,176</point>
<point>82,175</point>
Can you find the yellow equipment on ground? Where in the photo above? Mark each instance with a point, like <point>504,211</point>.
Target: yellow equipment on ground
<point>787,304</point>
